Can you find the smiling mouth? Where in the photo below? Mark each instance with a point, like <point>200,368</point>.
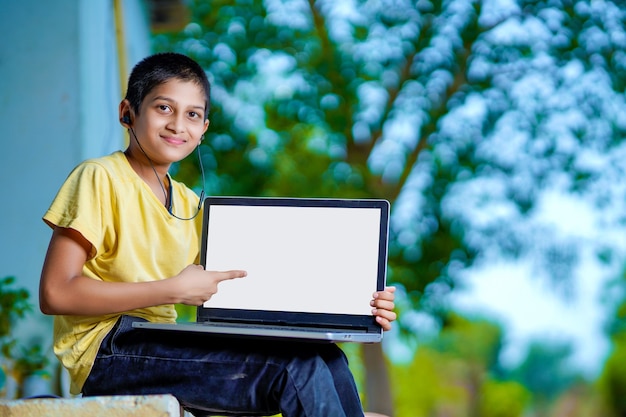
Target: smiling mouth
<point>174,141</point>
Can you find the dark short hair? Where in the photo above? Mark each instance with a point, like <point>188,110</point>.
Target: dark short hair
<point>157,69</point>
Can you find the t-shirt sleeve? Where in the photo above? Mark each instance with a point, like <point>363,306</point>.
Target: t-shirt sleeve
<point>78,205</point>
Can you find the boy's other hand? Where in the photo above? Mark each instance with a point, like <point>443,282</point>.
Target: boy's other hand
<point>193,285</point>
<point>383,307</point>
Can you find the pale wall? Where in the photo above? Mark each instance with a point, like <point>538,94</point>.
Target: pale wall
<point>59,93</point>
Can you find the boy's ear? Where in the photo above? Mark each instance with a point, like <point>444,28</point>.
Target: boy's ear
<point>125,114</point>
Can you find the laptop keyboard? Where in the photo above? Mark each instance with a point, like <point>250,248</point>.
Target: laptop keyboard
<point>277,327</point>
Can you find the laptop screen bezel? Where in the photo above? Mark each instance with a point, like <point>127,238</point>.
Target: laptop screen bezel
<point>365,323</point>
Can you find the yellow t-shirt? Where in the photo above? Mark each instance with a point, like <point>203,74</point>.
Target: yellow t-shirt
<point>133,238</point>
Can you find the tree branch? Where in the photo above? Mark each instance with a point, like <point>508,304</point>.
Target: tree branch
<point>330,56</point>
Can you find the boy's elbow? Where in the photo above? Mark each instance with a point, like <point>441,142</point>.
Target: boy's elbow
<point>46,303</point>
<point>45,308</point>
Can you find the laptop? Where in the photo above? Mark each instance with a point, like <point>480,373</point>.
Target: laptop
<point>312,264</point>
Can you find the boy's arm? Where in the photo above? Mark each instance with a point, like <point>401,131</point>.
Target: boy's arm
<point>63,289</point>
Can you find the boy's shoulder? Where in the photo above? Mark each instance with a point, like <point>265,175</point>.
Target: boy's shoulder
<point>113,159</point>
<point>109,168</point>
<point>114,162</point>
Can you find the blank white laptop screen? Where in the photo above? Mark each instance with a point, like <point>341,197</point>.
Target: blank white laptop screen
<point>298,259</point>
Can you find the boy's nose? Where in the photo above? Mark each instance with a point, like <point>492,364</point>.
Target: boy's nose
<point>177,124</point>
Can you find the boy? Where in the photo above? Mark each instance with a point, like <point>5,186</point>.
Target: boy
<point>125,239</point>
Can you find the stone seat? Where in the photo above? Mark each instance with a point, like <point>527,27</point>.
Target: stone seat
<point>106,406</point>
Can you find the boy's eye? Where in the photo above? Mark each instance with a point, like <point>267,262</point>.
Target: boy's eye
<point>195,115</point>
<point>164,107</point>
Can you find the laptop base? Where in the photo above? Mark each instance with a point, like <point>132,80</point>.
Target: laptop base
<point>309,335</point>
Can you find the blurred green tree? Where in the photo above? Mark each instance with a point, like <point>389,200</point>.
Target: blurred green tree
<point>458,112</point>
<point>612,381</point>
<point>546,373</point>
<point>458,374</point>
<point>503,399</point>
<point>477,344</point>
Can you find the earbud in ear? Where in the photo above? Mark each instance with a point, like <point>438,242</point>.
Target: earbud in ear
<point>125,119</point>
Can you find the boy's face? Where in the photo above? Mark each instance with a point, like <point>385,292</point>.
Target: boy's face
<point>171,122</point>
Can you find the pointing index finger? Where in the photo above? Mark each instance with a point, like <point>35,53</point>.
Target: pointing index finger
<point>232,274</point>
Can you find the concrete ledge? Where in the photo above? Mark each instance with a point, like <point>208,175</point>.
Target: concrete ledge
<point>113,406</point>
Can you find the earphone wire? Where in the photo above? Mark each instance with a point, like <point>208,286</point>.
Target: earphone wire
<point>168,200</point>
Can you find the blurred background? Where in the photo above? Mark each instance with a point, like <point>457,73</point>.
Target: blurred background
<point>495,128</point>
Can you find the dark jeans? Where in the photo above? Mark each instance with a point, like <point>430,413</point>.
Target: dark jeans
<point>212,375</point>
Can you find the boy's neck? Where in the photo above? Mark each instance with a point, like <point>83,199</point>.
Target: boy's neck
<point>144,167</point>
<point>152,174</point>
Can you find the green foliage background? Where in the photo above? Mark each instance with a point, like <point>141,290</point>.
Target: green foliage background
<point>456,112</point>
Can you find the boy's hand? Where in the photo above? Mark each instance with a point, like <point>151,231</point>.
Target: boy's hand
<point>194,285</point>
<point>383,307</point>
